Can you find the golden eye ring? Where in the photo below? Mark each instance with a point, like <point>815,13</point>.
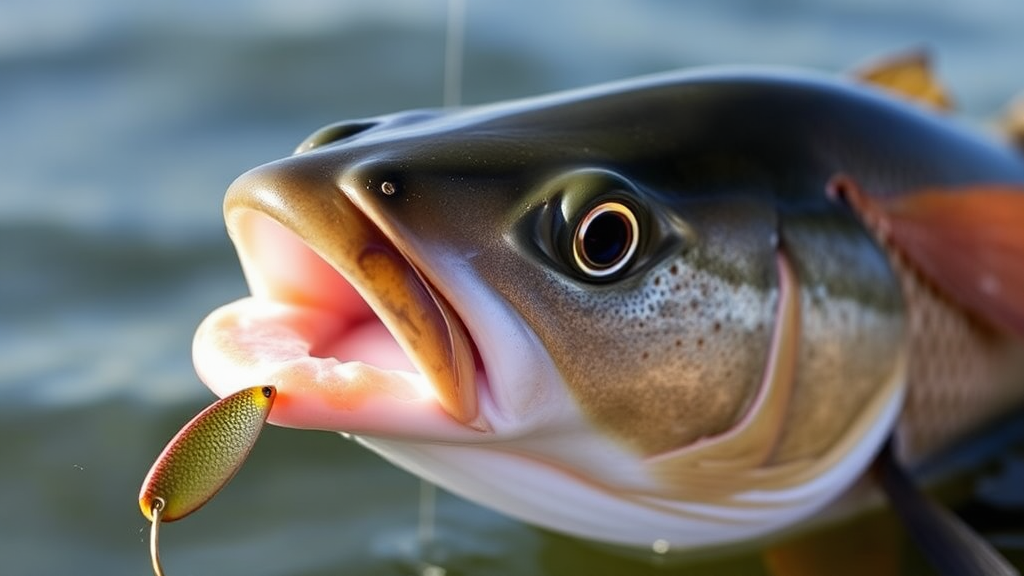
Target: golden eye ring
<point>606,239</point>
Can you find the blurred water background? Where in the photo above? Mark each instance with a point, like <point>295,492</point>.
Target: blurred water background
<point>121,125</point>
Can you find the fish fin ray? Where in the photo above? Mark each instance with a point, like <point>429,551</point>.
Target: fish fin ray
<point>1012,123</point>
<point>968,241</point>
<point>908,74</point>
<point>950,545</point>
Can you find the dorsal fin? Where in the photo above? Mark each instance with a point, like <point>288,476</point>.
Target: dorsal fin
<point>968,241</point>
<point>909,75</point>
<point>1012,123</point>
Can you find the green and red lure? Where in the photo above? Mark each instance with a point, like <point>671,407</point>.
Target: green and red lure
<point>201,458</point>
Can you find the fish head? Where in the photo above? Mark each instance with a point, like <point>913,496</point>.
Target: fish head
<point>522,303</point>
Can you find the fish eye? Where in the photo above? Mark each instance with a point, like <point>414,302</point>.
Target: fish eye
<point>605,239</point>
<point>593,225</point>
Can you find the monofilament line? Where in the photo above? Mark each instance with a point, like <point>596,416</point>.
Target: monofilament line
<point>453,53</point>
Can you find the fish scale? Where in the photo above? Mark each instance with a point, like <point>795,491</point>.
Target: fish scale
<point>961,373</point>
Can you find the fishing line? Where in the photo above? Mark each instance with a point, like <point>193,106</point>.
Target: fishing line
<point>452,96</point>
<point>453,52</point>
<point>425,529</point>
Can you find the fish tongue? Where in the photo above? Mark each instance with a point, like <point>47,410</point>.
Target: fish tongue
<point>256,341</point>
<point>368,342</point>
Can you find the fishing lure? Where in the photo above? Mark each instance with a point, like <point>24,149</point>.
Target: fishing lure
<point>201,458</point>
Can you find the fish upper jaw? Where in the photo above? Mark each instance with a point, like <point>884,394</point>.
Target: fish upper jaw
<point>340,320</point>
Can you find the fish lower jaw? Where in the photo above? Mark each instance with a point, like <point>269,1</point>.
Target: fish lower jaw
<point>254,341</point>
<point>560,499</point>
<point>584,484</point>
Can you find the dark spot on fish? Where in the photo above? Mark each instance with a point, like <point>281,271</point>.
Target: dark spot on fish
<point>700,342</point>
<point>645,356</point>
<point>717,327</point>
<point>657,281</point>
<point>679,343</point>
<point>674,269</point>
<point>694,304</point>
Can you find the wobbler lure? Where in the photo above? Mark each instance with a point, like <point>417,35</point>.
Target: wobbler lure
<point>201,458</point>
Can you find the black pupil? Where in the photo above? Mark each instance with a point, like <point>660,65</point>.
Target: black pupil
<point>267,391</point>
<point>606,240</point>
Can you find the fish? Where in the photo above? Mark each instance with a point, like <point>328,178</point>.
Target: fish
<point>691,308</point>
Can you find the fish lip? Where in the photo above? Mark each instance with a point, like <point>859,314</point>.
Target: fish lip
<point>329,222</point>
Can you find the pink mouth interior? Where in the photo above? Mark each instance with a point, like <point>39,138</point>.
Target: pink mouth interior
<point>307,331</point>
<point>289,271</point>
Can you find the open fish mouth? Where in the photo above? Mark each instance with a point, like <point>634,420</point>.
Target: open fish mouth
<point>339,316</point>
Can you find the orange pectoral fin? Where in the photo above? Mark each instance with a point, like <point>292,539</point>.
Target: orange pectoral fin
<point>968,241</point>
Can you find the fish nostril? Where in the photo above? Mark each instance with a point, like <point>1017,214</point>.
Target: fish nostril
<point>334,133</point>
